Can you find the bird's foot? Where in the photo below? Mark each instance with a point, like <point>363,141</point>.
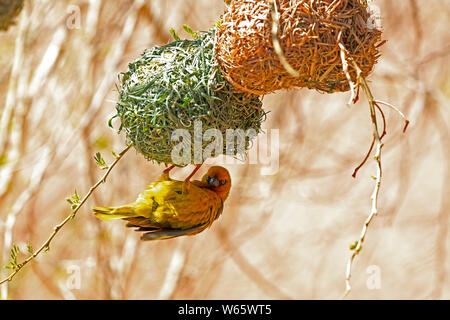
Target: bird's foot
<point>187,183</point>
<point>165,175</point>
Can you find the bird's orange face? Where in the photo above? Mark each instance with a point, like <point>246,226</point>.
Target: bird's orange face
<point>219,180</point>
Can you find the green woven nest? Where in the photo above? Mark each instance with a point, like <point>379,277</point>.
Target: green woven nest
<point>172,86</point>
<point>9,9</point>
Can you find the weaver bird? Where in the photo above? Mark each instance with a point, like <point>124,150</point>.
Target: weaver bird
<point>170,208</point>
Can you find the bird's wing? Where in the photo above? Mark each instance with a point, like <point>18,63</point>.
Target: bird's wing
<point>154,232</point>
<point>142,223</point>
<point>165,205</point>
<point>162,234</point>
<point>219,211</point>
<point>196,207</point>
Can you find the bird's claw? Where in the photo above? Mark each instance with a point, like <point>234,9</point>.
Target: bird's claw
<point>164,177</point>
<point>165,174</point>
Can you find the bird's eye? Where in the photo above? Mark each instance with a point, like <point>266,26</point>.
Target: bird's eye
<point>222,182</point>
<point>214,181</point>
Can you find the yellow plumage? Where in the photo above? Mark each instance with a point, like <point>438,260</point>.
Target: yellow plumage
<point>170,208</point>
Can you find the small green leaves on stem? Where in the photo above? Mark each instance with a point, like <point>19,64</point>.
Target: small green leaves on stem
<point>100,161</point>
<point>376,142</point>
<point>355,247</point>
<point>76,204</point>
<point>74,200</point>
<point>30,248</point>
<point>13,264</point>
<point>115,154</point>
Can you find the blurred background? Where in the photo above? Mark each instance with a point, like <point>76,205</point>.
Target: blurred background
<point>281,236</point>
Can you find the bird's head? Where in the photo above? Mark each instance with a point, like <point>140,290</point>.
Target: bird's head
<point>218,180</point>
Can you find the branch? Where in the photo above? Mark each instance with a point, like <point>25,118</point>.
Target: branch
<point>374,211</point>
<point>276,44</point>
<point>377,102</point>
<point>34,184</point>
<point>344,58</point>
<point>357,247</point>
<point>46,245</point>
<point>373,105</point>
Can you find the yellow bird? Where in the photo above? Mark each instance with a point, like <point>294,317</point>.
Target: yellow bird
<point>170,208</point>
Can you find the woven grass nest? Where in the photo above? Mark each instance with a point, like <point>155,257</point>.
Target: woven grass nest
<point>308,33</point>
<point>9,9</point>
<point>172,86</point>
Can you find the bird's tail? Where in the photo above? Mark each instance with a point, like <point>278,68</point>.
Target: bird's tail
<point>113,213</point>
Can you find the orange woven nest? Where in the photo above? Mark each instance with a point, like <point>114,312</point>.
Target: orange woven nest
<point>308,32</point>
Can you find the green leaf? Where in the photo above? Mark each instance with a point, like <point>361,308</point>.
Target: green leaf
<point>30,248</point>
<point>115,154</point>
<point>354,245</point>
<point>100,161</point>
<point>13,258</point>
<point>189,30</point>
<point>174,34</point>
<point>74,200</point>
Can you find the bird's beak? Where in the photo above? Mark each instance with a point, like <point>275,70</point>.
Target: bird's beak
<point>216,183</point>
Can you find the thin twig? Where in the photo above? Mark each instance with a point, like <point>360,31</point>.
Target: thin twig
<point>276,43</point>
<point>373,104</point>
<point>372,143</point>
<point>365,159</point>
<point>383,133</point>
<point>344,58</point>
<point>373,213</point>
<point>396,109</point>
<point>374,197</point>
<point>46,245</point>
<point>34,184</point>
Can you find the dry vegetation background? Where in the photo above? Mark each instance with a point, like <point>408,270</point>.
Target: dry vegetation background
<point>281,236</point>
